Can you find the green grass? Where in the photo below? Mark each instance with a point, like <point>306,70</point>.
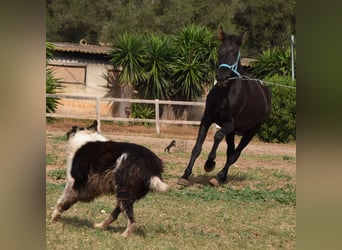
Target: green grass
<point>57,174</point>
<point>180,219</point>
<point>255,210</point>
<point>280,195</point>
<point>51,159</point>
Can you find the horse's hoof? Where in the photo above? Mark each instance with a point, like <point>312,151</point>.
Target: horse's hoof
<point>214,182</point>
<point>183,182</point>
<point>209,165</point>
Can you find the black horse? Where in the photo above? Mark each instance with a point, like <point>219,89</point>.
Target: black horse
<point>237,103</point>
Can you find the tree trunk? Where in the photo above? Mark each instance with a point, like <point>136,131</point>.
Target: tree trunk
<point>124,108</point>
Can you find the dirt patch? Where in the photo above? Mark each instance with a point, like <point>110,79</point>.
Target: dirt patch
<point>256,154</point>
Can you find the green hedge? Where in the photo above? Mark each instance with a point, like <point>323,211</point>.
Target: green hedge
<point>280,125</point>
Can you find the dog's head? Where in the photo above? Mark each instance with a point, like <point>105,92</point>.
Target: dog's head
<point>75,129</point>
<point>79,136</point>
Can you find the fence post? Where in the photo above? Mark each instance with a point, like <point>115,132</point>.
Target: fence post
<point>157,116</point>
<point>97,100</point>
<point>292,58</point>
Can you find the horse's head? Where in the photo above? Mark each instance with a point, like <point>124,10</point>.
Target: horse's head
<point>228,57</point>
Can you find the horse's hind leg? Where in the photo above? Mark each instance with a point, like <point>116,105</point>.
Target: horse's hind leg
<point>232,156</point>
<point>66,200</point>
<point>111,218</point>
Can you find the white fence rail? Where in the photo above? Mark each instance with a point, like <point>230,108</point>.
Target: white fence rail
<point>98,116</point>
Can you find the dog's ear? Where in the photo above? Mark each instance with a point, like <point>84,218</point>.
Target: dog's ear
<point>72,131</point>
<point>93,126</point>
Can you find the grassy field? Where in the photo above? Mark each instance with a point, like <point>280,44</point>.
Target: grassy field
<point>256,209</point>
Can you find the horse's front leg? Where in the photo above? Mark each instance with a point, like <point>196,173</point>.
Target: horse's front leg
<point>202,133</point>
<point>219,135</point>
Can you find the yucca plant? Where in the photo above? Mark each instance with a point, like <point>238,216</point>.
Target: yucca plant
<point>271,62</point>
<point>52,85</point>
<point>142,112</point>
<point>159,55</point>
<point>196,55</point>
<point>129,52</point>
<point>188,74</point>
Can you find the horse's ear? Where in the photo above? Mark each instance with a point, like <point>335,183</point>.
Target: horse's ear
<point>239,39</point>
<point>221,33</point>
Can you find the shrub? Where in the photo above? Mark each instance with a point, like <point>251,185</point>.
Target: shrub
<point>280,125</point>
<point>272,62</point>
<point>142,112</point>
<point>52,85</point>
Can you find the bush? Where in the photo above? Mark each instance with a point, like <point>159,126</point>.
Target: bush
<point>52,85</point>
<point>142,112</point>
<point>280,125</point>
<point>272,62</point>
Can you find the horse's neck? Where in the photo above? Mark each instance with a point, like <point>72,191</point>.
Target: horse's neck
<point>242,71</point>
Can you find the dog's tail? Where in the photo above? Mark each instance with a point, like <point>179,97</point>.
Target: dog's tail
<point>158,185</point>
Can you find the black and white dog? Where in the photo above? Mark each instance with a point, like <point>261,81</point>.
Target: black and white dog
<point>97,165</point>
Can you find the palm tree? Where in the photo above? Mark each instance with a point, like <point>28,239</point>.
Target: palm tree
<point>159,55</point>
<point>144,62</point>
<point>179,68</point>
<point>129,53</point>
<point>194,68</point>
<point>196,58</point>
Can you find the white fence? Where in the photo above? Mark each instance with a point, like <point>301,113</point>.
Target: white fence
<point>97,116</point>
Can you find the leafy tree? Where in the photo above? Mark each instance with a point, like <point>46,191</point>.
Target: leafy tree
<point>268,23</point>
<point>104,20</point>
<point>73,20</point>
<point>214,13</point>
<point>171,15</point>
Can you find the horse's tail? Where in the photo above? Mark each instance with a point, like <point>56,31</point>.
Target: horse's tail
<point>157,184</point>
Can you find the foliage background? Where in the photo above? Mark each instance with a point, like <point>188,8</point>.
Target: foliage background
<point>268,23</point>
<point>168,51</point>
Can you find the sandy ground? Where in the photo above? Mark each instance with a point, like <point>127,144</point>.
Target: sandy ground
<point>270,155</point>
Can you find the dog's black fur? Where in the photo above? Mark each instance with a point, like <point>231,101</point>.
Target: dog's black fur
<point>106,167</point>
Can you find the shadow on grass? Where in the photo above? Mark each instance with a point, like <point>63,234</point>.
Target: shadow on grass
<point>204,179</point>
<point>201,179</point>
<point>115,228</point>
